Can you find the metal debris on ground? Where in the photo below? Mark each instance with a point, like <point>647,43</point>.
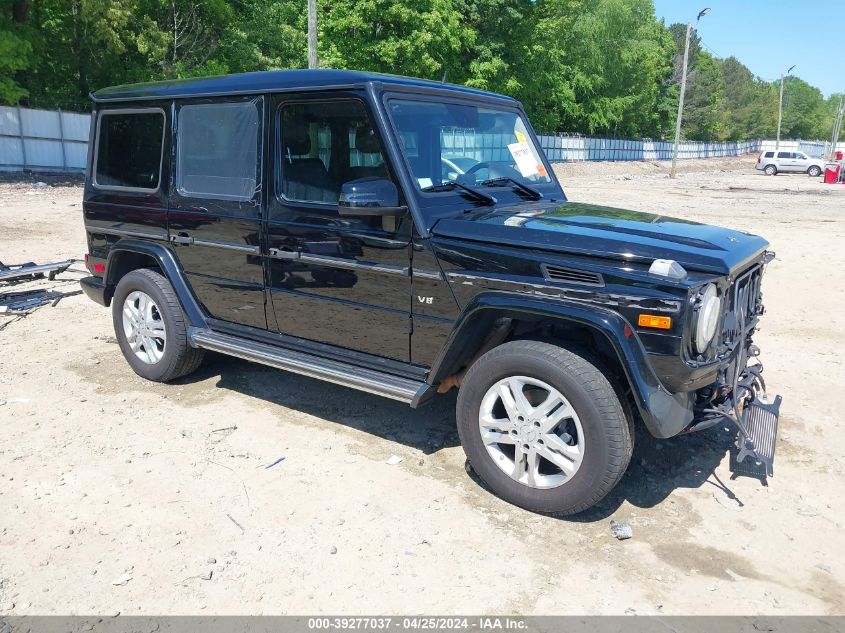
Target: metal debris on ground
<point>19,303</point>
<point>31,270</point>
<point>278,461</point>
<point>621,531</point>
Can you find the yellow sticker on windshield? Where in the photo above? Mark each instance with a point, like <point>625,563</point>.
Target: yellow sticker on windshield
<point>520,136</point>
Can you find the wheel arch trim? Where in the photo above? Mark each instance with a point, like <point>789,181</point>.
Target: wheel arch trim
<point>170,268</point>
<point>665,414</point>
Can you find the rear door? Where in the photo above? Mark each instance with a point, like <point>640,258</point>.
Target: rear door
<point>216,205</point>
<point>341,280</point>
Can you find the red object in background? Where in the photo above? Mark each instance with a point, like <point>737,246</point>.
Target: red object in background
<point>839,155</point>
<point>831,174</point>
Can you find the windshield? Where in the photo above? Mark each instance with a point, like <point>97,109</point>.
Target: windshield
<point>446,143</point>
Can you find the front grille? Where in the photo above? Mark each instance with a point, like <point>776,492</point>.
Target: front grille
<point>571,275</point>
<point>744,306</point>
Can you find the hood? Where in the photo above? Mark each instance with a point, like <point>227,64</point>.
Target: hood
<point>587,229</point>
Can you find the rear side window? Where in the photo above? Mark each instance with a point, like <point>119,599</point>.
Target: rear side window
<point>128,152</point>
<point>217,150</point>
<point>768,155</point>
<point>786,155</point>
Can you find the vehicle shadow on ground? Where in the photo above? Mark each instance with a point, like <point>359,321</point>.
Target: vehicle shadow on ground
<point>428,429</point>
<point>657,468</point>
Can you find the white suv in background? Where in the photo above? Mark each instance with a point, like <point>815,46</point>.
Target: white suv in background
<point>790,162</point>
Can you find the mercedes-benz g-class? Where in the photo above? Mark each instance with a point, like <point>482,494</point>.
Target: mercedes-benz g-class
<point>405,237</point>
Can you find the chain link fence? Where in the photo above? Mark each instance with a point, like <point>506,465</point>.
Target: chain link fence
<point>54,140</point>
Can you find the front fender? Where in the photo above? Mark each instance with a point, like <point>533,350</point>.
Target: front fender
<point>169,266</point>
<point>665,414</point>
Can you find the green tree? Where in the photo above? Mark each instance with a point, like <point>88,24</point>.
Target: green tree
<point>703,115</point>
<point>618,64</point>
<point>749,105</point>
<point>420,38</point>
<point>803,110</point>
<point>15,49</point>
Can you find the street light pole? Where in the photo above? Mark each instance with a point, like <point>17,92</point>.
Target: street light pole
<point>673,172</point>
<point>312,34</point>
<point>780,105</point>
<point>837,127</point>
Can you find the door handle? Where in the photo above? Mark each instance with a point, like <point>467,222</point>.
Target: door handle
<point>182,238</point>
<point>277,253</point>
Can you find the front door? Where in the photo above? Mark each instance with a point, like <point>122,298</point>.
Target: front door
<point>216,206</point>
<point>334,279</point>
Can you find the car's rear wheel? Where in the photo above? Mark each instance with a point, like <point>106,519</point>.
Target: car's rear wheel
<point>771,170</point>
<point>150,327</point>
<point>814,171</point>
<point>543,427</point>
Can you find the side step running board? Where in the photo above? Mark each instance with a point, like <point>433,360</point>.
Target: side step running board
<point>406,390</point>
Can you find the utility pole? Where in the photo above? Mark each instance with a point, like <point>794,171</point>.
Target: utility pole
<point>837,127</point>
<point>780,105</point>
<point>673,172</point>
<point>312,34</point>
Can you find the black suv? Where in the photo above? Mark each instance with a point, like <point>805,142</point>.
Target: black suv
<point>404,237</point>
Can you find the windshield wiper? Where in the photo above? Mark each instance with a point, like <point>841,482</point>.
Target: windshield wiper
<point>535,195</point>
<point>475,193</point>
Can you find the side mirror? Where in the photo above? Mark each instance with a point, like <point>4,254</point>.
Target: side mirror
<point>370,197</point>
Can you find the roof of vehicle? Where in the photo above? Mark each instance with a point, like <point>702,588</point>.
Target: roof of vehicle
<point>277,80</point>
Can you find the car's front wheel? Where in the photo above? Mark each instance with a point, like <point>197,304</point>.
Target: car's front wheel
<point>150,327</point>
<point>543,427</point>
<point>771,170</point>
<point>814,171</point>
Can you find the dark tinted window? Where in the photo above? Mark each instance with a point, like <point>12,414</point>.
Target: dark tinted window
<point>768,154</point>
<point>786,155</point>
<point>129,149</point>
<point>324,145</point>
<point>217,150</point>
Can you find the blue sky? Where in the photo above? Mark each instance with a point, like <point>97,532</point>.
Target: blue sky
<point>770,36</point>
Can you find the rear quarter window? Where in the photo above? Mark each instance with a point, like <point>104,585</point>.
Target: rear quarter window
<point>769,155</point>
<point>129,149</point>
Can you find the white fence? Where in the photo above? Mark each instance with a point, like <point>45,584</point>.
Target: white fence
<point>43,140</point>
<point>564,148</point>
<point>48,140</point>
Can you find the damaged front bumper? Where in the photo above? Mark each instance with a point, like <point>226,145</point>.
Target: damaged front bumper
<point>746,404</point>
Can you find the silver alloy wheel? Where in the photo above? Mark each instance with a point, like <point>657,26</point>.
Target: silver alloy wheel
<point>144,327</point>
<point>531,431</point>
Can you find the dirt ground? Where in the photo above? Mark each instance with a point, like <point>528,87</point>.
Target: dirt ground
<point>122,496</point>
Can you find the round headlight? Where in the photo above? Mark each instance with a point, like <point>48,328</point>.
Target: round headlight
<point>708,318</point>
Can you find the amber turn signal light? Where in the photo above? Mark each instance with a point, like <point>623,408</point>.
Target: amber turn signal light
<point>652,320</point>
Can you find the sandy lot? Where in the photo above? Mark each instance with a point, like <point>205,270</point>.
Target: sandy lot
<point>106,479</point>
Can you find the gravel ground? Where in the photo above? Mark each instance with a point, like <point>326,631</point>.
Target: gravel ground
<point>122,496</point>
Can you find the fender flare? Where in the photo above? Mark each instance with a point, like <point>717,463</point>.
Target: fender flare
<point>170,268</point>
<point>665,414</point>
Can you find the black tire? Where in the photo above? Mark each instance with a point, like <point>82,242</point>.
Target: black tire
<point>814,171</point>
<point>771,170</point>
<point>607,428</point>
<point>178,358</point>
